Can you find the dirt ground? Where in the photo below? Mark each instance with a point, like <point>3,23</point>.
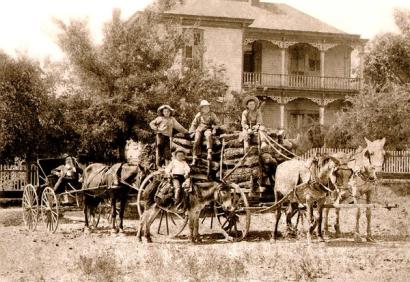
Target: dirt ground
<point>71,255</point>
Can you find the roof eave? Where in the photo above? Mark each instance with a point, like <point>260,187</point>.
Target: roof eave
<point>309,33</point>
<point>170,16</point>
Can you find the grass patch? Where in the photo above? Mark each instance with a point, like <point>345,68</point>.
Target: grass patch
<point>102,267</point>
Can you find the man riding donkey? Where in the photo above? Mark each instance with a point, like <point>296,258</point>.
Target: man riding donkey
<point>203,125</point>
<point>164,125</point>
<point>251,120</point>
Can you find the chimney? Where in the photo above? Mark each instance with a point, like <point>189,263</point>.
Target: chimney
<point>253,2</point>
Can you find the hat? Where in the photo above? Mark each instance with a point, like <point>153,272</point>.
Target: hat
<point>250,98</point>
<point>179,150</point>
<point>65,156</point>
<point>204,103</point>
<point>159,111</point>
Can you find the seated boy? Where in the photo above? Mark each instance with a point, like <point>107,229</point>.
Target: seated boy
<point>178,170</point>
<point>202,126</point>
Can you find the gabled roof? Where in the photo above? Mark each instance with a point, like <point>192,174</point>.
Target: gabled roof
<point>274,16</point>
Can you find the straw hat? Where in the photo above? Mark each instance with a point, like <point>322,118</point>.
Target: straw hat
<point>179,150</point>
<point>250,98</point>
<point>204,103</point>
<point>159,111</point>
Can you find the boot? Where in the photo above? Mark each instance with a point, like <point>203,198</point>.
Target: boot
<point>209,157</point>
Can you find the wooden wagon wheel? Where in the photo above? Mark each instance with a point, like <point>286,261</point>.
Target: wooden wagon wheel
<point>147,181</point>
<point>49,209</point>
<point>169,222</point>
<point>234,223</point>
<point>30,207</point>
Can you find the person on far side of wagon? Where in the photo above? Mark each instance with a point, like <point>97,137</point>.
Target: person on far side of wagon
<point>164,125</point>
<point>251,120</point>
<point>178,170</point>
<point>202,125</point>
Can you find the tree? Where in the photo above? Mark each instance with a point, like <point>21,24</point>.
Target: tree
<point>388,60</point>
<point>374,115</point>
<point>128,76</point>
<point>31,122</point>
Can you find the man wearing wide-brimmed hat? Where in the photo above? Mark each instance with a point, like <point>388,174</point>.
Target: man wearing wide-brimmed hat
<point>202,125</point>
<point>251,120</point>
<point>163,125</point>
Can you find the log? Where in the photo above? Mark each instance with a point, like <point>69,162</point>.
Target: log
<point>230,136</point>
<point>199,177</point>
<point>250,161</point>
<point>178,147</point>
<point>234,143</point>
<point>183,142</point>
<point>243,174</point>
<point>237,153</point>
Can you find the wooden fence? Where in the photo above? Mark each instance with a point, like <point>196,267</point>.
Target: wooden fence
<point>394,162</point>
<point>13,177</point>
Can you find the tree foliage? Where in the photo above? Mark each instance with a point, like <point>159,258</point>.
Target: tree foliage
<point>127,77</point>
<point>374,115</point>
<point>388,60</point>
<point>31,121</point>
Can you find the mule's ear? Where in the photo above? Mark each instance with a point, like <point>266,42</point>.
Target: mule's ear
<point>368,142</point>
<point>367,154</point>
<point>335,160</point>
<point>382,142</point>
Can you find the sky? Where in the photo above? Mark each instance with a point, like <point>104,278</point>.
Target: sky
<point>27,26</point>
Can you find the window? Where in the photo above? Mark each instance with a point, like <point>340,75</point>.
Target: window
<point>193,49</point>
<point>188,52</point>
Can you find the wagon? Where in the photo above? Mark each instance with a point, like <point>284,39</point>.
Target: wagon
<point>40,201</point>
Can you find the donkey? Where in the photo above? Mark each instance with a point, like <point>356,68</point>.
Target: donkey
<point>305,182</point>
<point>364,164</point>
<point>196,201</point>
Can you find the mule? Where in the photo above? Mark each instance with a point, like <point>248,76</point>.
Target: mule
<point>364,165</point>
<point>114,182</point>
<point>306,183</point>
<point>195,203</point>
<point>99,183</point>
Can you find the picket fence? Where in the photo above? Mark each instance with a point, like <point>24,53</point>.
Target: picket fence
<point>13,177</point>
<point>394,162</point>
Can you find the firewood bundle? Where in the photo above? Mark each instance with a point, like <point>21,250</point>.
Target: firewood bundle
<point>199,172</point>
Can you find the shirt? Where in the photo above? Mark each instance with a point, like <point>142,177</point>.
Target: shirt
<point>204,121</point>
<point>250,119</point>
<point>165,125</point>
<point>178,167</point>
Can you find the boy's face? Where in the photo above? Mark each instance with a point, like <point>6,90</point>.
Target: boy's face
<point>251,105</point>
<point>205,109</point>
<point>166,112</point>
<point>180,156</point>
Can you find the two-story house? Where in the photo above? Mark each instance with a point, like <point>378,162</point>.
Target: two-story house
<point>300,65</point>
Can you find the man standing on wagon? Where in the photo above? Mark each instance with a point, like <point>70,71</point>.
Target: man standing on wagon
<point>202,125</point>
<point>164,125</point>
<point>251,120</point>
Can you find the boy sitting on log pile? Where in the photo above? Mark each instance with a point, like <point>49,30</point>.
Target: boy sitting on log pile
<point>203,125</point>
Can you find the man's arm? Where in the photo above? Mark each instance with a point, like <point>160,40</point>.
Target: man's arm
<point>178,126</point>
<point>154,124</point>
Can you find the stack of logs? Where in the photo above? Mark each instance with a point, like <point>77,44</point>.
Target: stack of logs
<point>247,174</point>
<point>199,172</point>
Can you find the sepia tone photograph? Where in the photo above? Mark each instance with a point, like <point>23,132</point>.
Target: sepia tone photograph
<point>204,140</point>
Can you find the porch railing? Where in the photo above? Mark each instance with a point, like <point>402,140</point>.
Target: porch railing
<point>300,81</point>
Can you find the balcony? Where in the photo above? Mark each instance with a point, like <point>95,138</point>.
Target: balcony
<point>300,82</point>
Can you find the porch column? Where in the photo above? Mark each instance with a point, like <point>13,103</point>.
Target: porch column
<point>282,116</point>
<point>322,67</point>
<point>361,60</point>
<point>283,65</point>
<point>321,115</point>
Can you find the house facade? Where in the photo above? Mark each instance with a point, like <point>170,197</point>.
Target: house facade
<point>300,66</point>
